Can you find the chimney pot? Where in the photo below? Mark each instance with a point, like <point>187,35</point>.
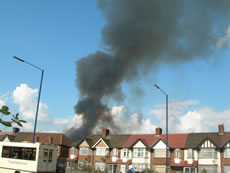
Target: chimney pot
<point>221,129</point>
<point>16,130</point>
<point>158,131</point>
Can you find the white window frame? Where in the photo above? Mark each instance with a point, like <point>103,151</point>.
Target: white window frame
<point>125,152</point>
<point>139,152</point>
<point>209,169</point>
<point>227,153</point>
<point>115,152</point>
<point>158,153</point>
<point>226,168</point>
<point>102,152</point>
<point>100,165</point>
<point>73,151</point>
<point>85,151</point>
<point>190,153</point>
<point>177,153</point>
<point>207,153</point>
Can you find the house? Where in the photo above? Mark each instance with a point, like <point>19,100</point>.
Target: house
<point>225,148</point>
<point>186,152</point>
<point>100,151</point>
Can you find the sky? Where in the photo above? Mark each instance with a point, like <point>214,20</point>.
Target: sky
<point>56,35</point>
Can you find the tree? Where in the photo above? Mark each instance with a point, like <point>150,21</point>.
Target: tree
<point>4,111</point>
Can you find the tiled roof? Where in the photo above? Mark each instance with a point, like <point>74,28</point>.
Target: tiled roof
<point>149,140</point>
<point>176,140</point>
<point>58,138</point>
<point>2,137</point>
<point>10,137</point>
<point>225,138</point>
<point>196,139</point>
<point>91,140</point>
<point>115,141</point>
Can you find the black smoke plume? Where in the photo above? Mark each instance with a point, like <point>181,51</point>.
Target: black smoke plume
<point>138,35</point>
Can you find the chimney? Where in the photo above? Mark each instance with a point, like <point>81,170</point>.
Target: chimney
<point>16,130</point>
<point>221,129</point>
<point>105,132</point>
<point>158,131</point>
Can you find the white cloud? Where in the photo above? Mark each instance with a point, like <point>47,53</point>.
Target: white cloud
<point>27,127</point>
<point>3,99</point>
<point>204,119</point>
<point>2,103</point>
<point>126,124</point>
<point>26,98</point>
<point>200,120</point>
<point>184,117</point>
<point>224,39</point>
<point>75,121</point>
<point>175,111</point>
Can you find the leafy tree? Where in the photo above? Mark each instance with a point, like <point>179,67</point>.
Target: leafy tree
<point>4,111</point>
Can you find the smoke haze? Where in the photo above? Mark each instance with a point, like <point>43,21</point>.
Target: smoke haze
<point>138,35</point>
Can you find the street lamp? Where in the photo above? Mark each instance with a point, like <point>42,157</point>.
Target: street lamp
<point>36,117</point>
<point>166,161</point>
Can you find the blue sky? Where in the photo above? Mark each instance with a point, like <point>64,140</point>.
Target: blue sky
<point>54,35</point>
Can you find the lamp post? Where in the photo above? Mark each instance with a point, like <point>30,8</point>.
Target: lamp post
<point>166,161</point>
<point>39,94</point>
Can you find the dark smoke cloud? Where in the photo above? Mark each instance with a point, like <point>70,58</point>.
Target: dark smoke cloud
<point>138,35</point>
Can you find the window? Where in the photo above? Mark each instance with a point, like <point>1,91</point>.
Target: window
<point>73,151</point>
<point>85,151</point>
<point>159,168</point>
<point>45,155</point>
<point>139,152</point>
<point>102,152</point>
<point>139,167</point>
<point>161,153</point>
<point>23,153</point>
<point>226,169</point>
<point>112,168</point>
<point>125,152</point>
<point>227,153</point>
<point>189,154</point>
<point>100,166</point>
<point>50,155</point>
<point>209,169</point>
<point>115,153</point>
<point>177,153</point>
<point>207,153</point>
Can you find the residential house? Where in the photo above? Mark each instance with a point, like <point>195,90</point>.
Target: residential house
<point>186,152</point>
